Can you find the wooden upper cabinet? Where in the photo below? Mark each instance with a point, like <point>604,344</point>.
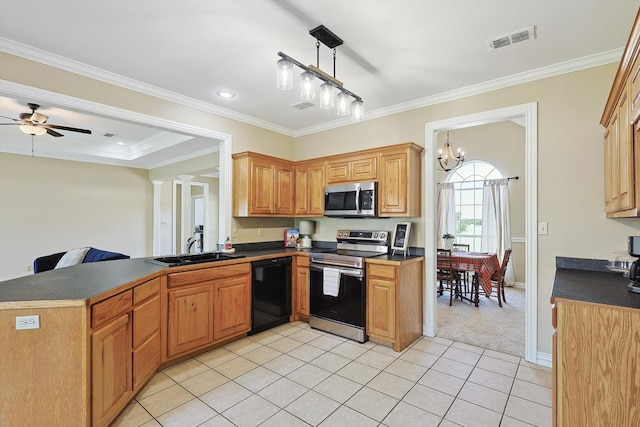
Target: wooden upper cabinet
<point>262,185</point>
<point>399,191</point>
<point>268,186</point>
<point>283,188</point>
<point>621,117</point>
<point>360,168</point>
<point>309,189</point>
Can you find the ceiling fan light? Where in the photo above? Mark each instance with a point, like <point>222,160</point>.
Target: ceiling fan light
<point>326,96</point>
<point>32,130</point>
<point>307,87</point>
<point>39,118</point>
<point>357,110</point>
<point>344,107</point>
<point>285,75</point>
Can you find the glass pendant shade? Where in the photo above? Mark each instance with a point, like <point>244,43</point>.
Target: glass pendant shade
<point>285,75</point>
<point>357,110</point>
<point>344,107</point>
<point>326,96</point>
<point>307,87</point>
<point>32,130</point>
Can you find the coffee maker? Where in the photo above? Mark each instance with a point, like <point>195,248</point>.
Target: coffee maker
<point>634,271</point>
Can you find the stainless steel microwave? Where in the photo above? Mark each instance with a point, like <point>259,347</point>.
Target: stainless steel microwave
<point>351,200</point>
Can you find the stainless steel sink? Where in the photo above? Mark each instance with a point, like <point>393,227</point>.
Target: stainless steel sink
<point>187,259</point>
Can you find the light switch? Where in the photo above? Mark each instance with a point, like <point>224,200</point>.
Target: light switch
<point>542,228</point>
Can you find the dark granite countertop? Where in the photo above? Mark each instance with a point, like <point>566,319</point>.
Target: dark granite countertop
<point>78,282</point>
<point>85,281</point>
<point>394,258</point>
<point>595,287</point>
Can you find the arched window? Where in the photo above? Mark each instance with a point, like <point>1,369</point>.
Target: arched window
<point>468,181</point>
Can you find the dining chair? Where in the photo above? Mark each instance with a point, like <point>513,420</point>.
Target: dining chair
<point>462,275</point>
<point>446,272</point>
<point>498,276</point>
<point>462,247</point>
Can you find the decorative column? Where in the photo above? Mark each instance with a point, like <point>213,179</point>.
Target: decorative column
<point>157,217</point>
<point>186,225</point>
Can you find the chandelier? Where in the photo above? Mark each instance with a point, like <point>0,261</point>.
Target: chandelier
<point>446,156</point>
<point>343,98</point>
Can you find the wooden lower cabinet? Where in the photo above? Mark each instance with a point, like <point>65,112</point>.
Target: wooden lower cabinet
<point>206,306</point>
<point>394,301</point>
<point>111,373</point>
<point>232,307</point>
<point>301,289</point>
<point>595,365</point>
<point>190,318</point>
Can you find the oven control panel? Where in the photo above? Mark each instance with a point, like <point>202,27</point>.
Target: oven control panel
<point>363,235</point>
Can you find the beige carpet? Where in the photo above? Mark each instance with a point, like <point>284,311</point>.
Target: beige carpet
<point>487,326</point>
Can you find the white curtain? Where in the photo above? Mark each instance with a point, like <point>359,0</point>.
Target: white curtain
<point>496,228</point>
<point>446,212</point>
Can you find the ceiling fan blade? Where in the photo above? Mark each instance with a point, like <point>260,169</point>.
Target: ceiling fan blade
<point>54,133</point>
<point>12,124</point>
<point>68,128</point>
<point>10,118</point>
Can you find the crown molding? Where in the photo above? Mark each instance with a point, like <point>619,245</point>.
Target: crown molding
<point>566,67</point>
<point>47,58</point>
<point>57,61</point>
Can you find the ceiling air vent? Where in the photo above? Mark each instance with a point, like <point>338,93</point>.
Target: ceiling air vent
<point>513,38</point>
<point>302,105</point>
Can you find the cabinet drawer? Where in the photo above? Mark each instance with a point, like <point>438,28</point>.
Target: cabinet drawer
<point>146,321</point>
<point>146,360</point>
<point>196,276</point>
<point>387,272</point>
<point>110,308</point>
<point>302,261</point>
<point>146,290</point>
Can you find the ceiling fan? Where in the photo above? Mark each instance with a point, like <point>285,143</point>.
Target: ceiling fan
<point>36,124</point>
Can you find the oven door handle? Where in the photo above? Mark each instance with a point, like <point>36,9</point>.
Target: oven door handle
<point>344,272</point>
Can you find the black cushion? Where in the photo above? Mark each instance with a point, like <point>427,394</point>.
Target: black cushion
<point>49,262</point>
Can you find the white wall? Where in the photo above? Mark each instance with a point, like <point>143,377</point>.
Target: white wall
<point>49,206</point>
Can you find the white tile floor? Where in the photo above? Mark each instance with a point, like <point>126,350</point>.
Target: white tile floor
<point>296,376</point>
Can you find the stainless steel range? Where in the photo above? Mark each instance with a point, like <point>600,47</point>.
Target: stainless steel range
<point>338,283</point>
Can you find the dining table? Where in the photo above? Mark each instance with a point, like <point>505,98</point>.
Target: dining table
<point>483,264</point>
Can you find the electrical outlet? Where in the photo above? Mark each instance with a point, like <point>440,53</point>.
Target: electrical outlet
<point>261,232</point>
<point>30,267</point>
<point>542,228</point>
<point>27,322</point>
<point>234,232</point>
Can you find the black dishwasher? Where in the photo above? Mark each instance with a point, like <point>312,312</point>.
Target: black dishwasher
<point>270,293</point>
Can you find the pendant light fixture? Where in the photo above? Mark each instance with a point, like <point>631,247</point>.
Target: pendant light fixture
<point>345,99</point>
<point>326,96</point>
<point>446,158</point>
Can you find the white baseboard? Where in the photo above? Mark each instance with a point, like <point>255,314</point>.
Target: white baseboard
<point>544,359</point>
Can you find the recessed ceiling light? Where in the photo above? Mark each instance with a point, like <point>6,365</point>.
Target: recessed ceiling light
<point>225,94</point>
<point>120,143</point>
